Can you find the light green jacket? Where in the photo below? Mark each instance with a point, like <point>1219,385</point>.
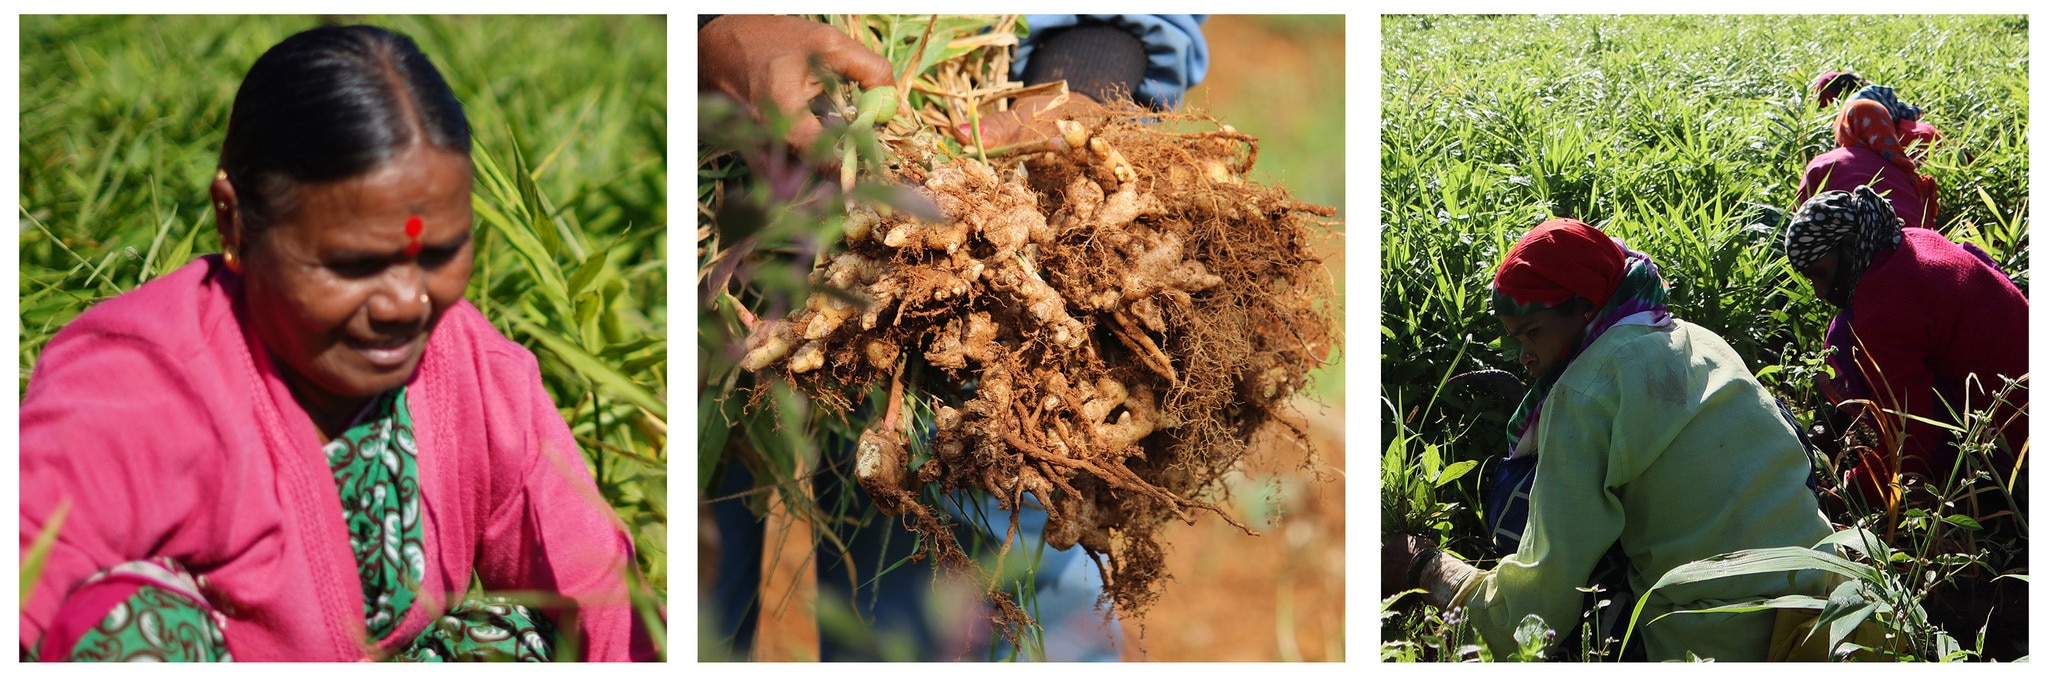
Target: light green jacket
<point>1659,438</point>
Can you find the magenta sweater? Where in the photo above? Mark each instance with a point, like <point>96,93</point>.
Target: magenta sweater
<point>1846,168</point>
<point>1930,314</point>
<point>167,428</point>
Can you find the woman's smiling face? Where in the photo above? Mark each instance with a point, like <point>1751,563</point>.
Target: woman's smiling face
<point>344,293</point>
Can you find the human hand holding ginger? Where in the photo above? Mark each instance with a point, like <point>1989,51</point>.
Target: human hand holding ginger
<point>1031,118</point>
<point>765,60</point>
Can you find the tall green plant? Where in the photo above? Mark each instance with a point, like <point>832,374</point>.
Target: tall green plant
<point>1867,593</point>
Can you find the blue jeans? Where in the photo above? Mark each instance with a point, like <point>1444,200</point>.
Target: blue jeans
<point>1066,585</point>
<point>893,607</point>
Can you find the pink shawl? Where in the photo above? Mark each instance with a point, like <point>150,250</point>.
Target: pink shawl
<point>167,429</point>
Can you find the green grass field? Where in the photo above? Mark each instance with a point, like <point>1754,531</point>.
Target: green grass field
<point>121,124</point>
<point>1677,134</point>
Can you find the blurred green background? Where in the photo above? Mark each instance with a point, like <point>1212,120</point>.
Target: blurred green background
<point>1278,597</point>
<point>1280,77</point>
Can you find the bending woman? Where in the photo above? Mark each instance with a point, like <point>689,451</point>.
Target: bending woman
<point>306,447</point>
<point>1833,85</point>
<point>1880,143</point>
<point>1649,433</point>
<point>1925,325</point>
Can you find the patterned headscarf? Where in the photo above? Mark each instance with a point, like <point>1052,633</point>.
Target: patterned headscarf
<point>1857,224</point>
<point>1833,84</point>
<point>1868,123</point>
<point>1884,95</point>
<point>1864,123</point>
<point>1564,259</point>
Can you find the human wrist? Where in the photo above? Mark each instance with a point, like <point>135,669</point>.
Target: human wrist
<point>1422,559</point>
<point>1438,575</point>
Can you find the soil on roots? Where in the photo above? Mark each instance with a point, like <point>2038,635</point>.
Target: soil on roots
<point>1111,321</point>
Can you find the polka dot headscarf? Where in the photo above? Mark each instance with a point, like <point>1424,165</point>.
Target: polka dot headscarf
<point>1864,123</point>
<point>1856,224</point>
<point>1871,122</point>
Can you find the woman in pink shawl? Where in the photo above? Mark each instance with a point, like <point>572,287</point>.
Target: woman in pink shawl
<point>310,446</point>
<point>1880,143</point>
<point>1836,84</point>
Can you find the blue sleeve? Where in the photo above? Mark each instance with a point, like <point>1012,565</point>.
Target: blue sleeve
<point>1177,57</point>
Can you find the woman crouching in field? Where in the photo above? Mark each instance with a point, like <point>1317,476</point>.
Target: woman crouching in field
<point>1879,142</point>
<point>1926,327</point>
<point>1834,85</point>
<point>1933,330</point>
<point>1650,434</point>
<point>307,447</point>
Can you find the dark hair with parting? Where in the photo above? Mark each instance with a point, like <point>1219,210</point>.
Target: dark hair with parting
<point>331,103</point>
<point>1842,85</point>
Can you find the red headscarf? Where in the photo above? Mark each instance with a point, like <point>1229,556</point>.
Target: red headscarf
<point>1864,123</point>
<point>1558,260</point>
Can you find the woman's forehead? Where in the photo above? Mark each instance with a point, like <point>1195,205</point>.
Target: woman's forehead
<point>426,184</point>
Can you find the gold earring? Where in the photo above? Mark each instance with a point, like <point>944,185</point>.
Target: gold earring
<point>234,263</point>
<point>220,175</point>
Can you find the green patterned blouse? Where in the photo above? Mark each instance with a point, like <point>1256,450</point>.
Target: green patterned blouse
<point>376,466</point>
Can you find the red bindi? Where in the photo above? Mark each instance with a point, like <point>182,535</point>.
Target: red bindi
<point>413,226</point>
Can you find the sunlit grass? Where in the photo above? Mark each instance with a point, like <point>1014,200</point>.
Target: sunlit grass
<point>1679,134</point>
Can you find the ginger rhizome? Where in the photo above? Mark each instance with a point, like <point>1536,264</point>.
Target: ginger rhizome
<point>1116,318</point>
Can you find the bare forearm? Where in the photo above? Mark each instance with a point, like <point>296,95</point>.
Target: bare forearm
<point>1439,575</point>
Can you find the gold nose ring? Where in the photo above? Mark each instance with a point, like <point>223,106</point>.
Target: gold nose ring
<point>423,299</point>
